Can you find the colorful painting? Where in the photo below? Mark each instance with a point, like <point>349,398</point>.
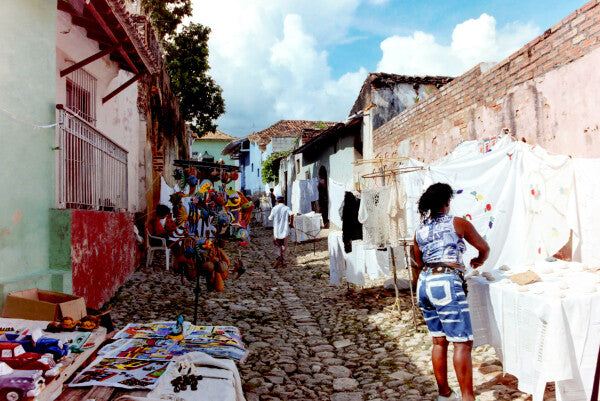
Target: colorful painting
<point>217,341</point>
<point>148,330</point>
<point>121,372</point>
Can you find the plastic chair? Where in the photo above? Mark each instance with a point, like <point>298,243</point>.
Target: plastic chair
<point>151,248</point>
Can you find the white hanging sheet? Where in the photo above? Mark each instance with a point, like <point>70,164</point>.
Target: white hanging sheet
<point>302,193</point>
<point>336,197</point>
<point>587,214</point>
<point>515,196</point>
<point>359,264</point>
<point>524,202</point>
<point>165,192</point>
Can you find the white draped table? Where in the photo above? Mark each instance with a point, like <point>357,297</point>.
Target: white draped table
<point>547,331</point>
<point>306,227</point>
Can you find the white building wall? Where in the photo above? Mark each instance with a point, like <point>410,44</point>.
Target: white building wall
<point>118,119</point>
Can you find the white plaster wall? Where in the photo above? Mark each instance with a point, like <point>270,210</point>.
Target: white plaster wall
<point>253,180</point>
<point>118,119</point>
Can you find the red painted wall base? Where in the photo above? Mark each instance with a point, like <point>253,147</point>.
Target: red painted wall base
<point>103,253</point>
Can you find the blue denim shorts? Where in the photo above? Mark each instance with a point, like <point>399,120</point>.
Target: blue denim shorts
<point>444,306</point>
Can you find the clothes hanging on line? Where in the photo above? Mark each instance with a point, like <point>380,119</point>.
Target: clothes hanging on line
<point>373,214</point>
<point>351,227</point>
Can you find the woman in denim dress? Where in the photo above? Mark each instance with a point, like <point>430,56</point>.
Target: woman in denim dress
<point>439,247</point>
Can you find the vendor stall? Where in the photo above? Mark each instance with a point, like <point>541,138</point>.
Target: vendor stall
<point>306,227</point>
<point>530,206</point>
<point>545,331</point>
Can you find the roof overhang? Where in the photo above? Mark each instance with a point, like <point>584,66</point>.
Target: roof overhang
<point>234,146</point>
<point>129,39</point>
<point>331,132</point>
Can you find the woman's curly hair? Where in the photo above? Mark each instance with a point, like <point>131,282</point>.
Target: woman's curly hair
<point>434,199</point>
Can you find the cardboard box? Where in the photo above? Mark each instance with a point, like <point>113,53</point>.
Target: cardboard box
<point>34,304</point>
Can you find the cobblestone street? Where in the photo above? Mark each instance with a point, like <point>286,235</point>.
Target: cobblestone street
<point>309,340</point>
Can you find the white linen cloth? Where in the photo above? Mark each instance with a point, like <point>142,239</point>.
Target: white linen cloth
<point>336,192</point>
<point>280,215</point>
<point>229,388</point>
<point>550,332</point>
<point>165,192</point>
<point>265,211</point>
<point>357,265</point>
<point>396,210</point>
<point>307,227</point>
<point>337,263</point>
<point>586,216</point>
<point>515,195</point>
<point>374,215</point>
<point>302,196</point>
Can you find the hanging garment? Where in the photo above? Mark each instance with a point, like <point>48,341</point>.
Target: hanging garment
<point>351,227</point>
<point>397,212</point>
<point>373,214</point>
<point>336,197</point>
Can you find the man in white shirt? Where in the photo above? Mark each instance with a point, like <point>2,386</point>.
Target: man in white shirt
<point>280,215</point>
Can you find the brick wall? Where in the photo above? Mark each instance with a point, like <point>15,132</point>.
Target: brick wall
<point>544,93</point>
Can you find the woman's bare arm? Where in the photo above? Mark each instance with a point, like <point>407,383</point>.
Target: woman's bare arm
<point>465,229</point>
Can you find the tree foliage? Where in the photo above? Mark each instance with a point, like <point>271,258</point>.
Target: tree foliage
<point>200,98</point>
<point>269,173</point>
<point>187,63</point>
<point>166,15</point>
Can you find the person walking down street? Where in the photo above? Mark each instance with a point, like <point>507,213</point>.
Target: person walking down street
<point>273,199</point>
<point>441,289</point>
<point>280,215</point>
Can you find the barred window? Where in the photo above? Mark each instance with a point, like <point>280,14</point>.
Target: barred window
<point>81,95</point>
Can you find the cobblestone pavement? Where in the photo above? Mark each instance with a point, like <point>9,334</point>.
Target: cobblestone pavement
<point>309,340</point>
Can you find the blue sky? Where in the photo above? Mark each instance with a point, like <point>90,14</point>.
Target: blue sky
<point>306,59</point>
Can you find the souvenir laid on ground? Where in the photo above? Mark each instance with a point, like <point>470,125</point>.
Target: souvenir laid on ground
<point>525,278</point>
<point>149,330</point>
<point>152,349</point>
<point>218,341</point>
<point>213,379</point>
<point>121,372</point>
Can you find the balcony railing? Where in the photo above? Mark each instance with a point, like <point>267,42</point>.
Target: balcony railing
<point>91,169</point>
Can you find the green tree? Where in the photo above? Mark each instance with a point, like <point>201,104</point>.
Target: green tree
<point>200,98</point>
<point>166,15</point>
<point>187,63</point>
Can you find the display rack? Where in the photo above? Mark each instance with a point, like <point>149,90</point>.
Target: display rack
<point>384,173</point>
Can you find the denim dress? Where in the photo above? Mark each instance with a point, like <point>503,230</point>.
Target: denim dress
<point>442,299</point>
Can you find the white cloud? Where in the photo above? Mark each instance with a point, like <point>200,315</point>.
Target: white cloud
<point>269,58</point>
<point>473,41</point>
<point>379,2</point>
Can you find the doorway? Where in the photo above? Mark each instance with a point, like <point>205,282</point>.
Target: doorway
<point>323,195</point>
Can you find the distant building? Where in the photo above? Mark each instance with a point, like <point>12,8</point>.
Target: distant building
<point>211,145</point>
<point>257,147</point>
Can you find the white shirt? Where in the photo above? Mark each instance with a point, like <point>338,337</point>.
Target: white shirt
<point>280,215</point>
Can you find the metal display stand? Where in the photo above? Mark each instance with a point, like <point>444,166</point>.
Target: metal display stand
<point>383,173</point>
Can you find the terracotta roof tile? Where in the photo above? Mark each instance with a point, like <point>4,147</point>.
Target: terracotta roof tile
<point>286,129</point>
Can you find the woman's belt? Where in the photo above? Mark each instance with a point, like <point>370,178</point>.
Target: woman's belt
<point>441,267</point>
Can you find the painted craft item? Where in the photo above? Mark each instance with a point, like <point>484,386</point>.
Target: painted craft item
<point>19,384</point>
<point>217,341</point>
<point>133,374</point>
<point>149,330</point>
<point>206,215</point>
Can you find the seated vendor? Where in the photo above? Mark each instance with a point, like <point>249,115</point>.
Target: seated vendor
<point>156,226</point>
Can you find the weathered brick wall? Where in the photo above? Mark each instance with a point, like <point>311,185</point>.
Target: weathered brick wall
<point>545,93</point>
